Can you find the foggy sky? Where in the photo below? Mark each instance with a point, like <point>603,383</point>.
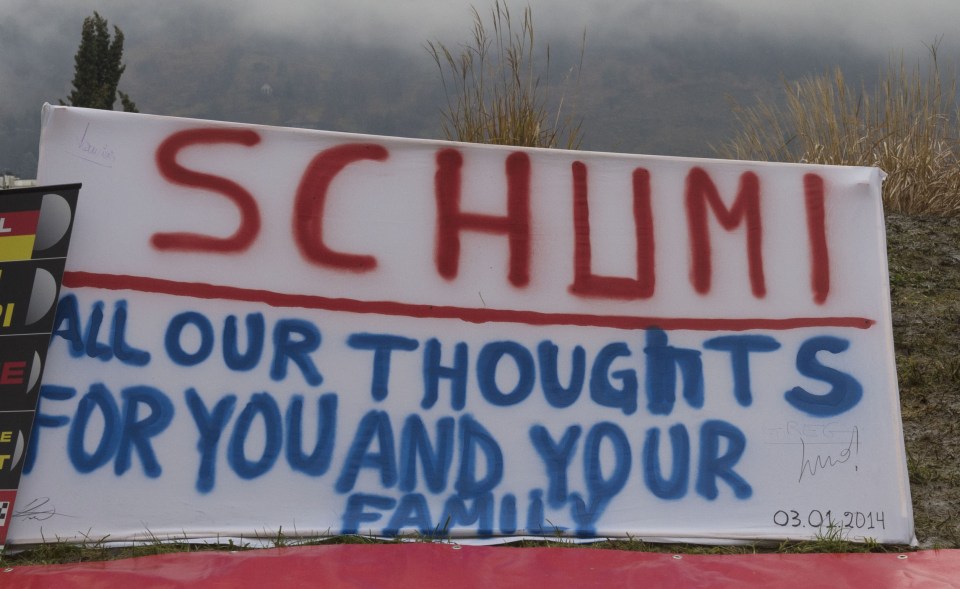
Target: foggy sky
<point>877,25</point>
<point>755,41</point>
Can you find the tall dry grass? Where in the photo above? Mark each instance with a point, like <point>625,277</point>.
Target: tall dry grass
<point>494,89</point>
<point>907,125</point>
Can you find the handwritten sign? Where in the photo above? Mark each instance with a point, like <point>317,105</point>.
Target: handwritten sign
<point>329,333</point>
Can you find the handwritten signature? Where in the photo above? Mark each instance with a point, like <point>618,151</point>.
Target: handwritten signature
<point>39,509</point>
<point>100,154</point>
<point>819,462</point>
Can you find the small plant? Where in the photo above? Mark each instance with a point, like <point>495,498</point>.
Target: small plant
<point>235,546</point>
<point>441,533</point>
<point>493,87</point>
<point>832,536</point>
<point>280,541</point>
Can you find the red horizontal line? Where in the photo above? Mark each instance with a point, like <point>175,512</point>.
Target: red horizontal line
<point>201,290</point>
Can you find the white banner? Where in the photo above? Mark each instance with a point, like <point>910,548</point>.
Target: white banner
<point>324,333</point>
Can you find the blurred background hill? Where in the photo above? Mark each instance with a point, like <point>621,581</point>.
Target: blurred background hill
<point>657,77</point>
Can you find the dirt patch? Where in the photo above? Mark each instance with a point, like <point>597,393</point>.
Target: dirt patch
<point>924,259</point>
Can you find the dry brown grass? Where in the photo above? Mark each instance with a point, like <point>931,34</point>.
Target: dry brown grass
<point>907,125</point>
<point>494,89</point>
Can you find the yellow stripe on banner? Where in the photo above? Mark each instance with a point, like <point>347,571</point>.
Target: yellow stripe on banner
<point>17,247</point>
<point>8,318</point>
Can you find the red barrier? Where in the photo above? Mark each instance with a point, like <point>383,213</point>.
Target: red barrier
<point>426,566</point>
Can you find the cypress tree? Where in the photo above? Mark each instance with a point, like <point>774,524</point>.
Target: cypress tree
<point>98,67</point>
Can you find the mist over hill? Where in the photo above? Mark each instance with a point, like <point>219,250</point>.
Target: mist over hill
<point>664,90</point>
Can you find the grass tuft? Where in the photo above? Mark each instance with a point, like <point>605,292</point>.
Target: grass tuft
<point>494,89</point>
<point>907,125</point>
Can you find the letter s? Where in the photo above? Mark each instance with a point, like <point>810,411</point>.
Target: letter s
<point>174,173</point>
<point>846,391</point>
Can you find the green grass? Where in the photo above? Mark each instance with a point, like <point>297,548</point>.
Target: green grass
<point>56,552</point>
<point>67,553</point>
<point>830,540</point>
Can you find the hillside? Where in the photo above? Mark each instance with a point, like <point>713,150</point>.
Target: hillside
<point>647,94</point>
<point>924,259</point>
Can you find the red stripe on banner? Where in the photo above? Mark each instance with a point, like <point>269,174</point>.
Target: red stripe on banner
<point>19,223</point>
<point>429,566</point>
<point>472,315</point>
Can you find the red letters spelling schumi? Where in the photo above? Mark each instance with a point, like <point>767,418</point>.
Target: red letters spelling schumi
<point>701,199</point>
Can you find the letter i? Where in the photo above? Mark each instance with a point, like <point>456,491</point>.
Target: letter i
<point>8,315</point>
